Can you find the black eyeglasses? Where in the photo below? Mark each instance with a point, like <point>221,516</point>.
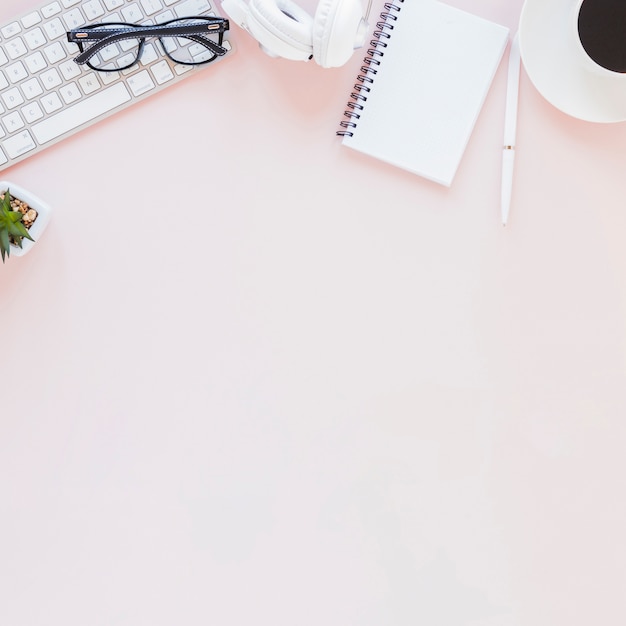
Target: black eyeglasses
<point>114,46</point>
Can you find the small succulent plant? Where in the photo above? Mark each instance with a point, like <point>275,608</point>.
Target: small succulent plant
<point>12,230</point>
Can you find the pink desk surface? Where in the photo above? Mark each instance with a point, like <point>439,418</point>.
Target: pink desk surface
<point>252,377</point>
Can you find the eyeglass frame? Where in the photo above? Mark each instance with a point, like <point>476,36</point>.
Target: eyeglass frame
<point>107,36</point>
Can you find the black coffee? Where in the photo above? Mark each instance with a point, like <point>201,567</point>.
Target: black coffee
<point>602,31</point>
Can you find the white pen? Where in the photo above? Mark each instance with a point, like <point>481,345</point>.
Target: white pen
<point>510,125</point>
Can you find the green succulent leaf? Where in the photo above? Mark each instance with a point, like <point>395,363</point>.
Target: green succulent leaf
<point>13,229</point>
<point>6,201</point>
<point>21,231</point>
<point>5,245</point>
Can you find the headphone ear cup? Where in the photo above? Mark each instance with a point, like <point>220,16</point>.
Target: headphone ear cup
<point>338,28</point>
<point>282,28</point>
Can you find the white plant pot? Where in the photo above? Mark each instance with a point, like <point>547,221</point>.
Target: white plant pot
<point>43,215</point>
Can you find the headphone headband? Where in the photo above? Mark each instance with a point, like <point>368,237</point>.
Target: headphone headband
<point>285,30</point>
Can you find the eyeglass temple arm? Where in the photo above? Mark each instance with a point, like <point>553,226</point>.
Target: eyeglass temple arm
<point>105,37</point>
<point>208,43</point>
<point>212,25</point>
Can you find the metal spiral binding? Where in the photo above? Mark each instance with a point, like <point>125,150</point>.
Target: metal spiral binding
<point>369,69</point>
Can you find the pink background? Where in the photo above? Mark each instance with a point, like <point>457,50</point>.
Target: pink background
<point>252,377</point>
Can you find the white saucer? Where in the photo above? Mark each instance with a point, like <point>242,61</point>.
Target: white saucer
<point>548,52</point>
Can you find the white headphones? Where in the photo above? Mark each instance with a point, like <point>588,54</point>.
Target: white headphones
<point>285,30</point>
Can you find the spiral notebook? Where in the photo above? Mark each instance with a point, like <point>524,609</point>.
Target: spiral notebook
<point>422,86</point>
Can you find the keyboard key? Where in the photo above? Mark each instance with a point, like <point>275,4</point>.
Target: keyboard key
<point>12,98</point>
<point>169,43</point>
<point>161,72</point>
<point>3,81</point>
<point>140,83</point>
<point>182,69</point>
<point>19,144</point>
<point>132,13</point>
<point>71,47</point>
<point>69,69</point>
<point>31,19</point>
<point>128,44</point>
<point>16,72</point>
<point>93,10</point>
<point>35,62</point>
<point>50,9</point>
<point>109,77</point>
<point>54,28</point>
<point>73,19</point>
<point>70,93</point>
<point>16,48</point>
<point>32,112</point>
<point>31,88</point>
<point>3,158</point>
<point>166,16</point>
<point>82,112</point>
<point>3,57</point>
<point>89,83</point>
<point>54,52</point>
<point>51,102</point>
<point>11,29</point>
<point>68,3</point>
<point>34,38</point>
<point>127,59</point>
<point>108,53</point>
<point>192,7</point>
<point>151,6</point>
<point>51,78</point>
<point>199,53</point>
<point>13,121</point>
<point>111,5</point>
<point>149,55</point>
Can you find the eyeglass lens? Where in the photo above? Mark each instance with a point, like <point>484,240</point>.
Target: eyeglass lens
<point>125,53</point>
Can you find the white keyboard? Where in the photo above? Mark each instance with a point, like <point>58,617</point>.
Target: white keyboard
<point>45,96</point>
